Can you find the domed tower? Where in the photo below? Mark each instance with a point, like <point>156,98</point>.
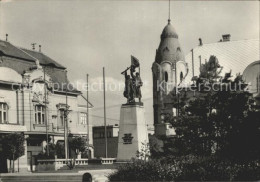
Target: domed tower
<point>168,69</point>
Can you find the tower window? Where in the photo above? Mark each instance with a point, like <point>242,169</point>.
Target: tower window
<point>166,76</point>
<point>178,49</point>
<point>181,76</point>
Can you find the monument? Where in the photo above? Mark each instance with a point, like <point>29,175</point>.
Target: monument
<point>132,127</point>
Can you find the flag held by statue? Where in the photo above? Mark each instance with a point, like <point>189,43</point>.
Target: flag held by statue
<point>134,62</point>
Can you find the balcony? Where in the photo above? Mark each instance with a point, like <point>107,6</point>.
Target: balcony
<point>42,127</point>
<point>12,127</point>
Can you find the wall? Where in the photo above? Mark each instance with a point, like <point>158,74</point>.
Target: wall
<point>99,146</point>
<point>9,97</point>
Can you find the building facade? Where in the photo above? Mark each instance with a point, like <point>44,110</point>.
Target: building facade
<point>171,68</point>
<point>238,57</point>
<point>99,141</point>
<point>35,96</point>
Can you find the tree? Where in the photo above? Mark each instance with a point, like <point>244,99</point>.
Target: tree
<point>217,129</point>
<point>78,144</point>
<point>220,119</point>
<point>60,150</point>
<point>13,147</point>
<point>50,155</point>
<point>156,147</point>
<point>144,152</point>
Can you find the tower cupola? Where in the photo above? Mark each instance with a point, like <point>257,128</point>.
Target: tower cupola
<point>169,48</point>
<point>169,31</point>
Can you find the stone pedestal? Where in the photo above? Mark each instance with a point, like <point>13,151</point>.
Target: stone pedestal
<point>164,129</point>
<point>132,131</point>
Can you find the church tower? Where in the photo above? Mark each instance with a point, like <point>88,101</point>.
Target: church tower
<point>168,69</point>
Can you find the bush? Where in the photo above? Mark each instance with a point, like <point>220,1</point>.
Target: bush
<point>52,152</point>
<point>144,171</point>
<point>210,168</point>
<point>249,172</point>
<point>188,168</point>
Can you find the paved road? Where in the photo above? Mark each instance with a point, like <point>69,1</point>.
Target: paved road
<point>97,176</point>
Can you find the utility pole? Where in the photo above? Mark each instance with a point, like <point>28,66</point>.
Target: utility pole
<point>45,110</point>
<point>88,118</point>
<point>65,121</point>
<point>105,122</point>
<point>176,90</point>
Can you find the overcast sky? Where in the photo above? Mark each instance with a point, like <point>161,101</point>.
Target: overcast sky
<point>86,35</point>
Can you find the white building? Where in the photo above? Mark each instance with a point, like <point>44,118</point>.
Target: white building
<point>33,101</point>
<point>239,56</point>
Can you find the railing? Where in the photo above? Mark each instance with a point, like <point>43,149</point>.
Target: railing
<point>55,164</point>
<point>107,160</point>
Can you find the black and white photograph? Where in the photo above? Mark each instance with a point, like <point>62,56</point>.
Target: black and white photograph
<point>129,90</point>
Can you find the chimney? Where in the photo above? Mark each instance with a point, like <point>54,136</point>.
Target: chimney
<point>33,46</point>
<point>200,42</point>
<point>6,37</point>
<point>226,37</point>
<point>40,48</point>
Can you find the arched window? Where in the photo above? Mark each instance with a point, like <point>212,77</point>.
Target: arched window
<point>181,76</point>
<point>39,114</point>
<point>166,76</point>
<point>3,112</point>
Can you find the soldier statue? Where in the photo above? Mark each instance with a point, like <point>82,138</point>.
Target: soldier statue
<point>129,90</point>
<point>133,84</point>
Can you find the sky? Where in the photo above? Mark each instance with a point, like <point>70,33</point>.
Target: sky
<point>86,36</point>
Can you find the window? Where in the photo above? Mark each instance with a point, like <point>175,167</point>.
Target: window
<point>181,76</point>
<point>166,76</point>
<point>83,118</point>
<point>62,116</point>
<point>3,112</point>
<point>39,114</point>
<point>102,134</point>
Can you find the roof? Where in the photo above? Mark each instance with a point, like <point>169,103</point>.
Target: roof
<point>232,55</point>
<point>169,31</point>
<point>108,126</point>
<point>84,104</point>
<point>43,59</point>
<point>169,48</point>
<point>10,50</point>
<point>58,74</point>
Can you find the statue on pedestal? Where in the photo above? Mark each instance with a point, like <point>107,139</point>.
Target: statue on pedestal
<point>133,82</point>
<point>132,126</point>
